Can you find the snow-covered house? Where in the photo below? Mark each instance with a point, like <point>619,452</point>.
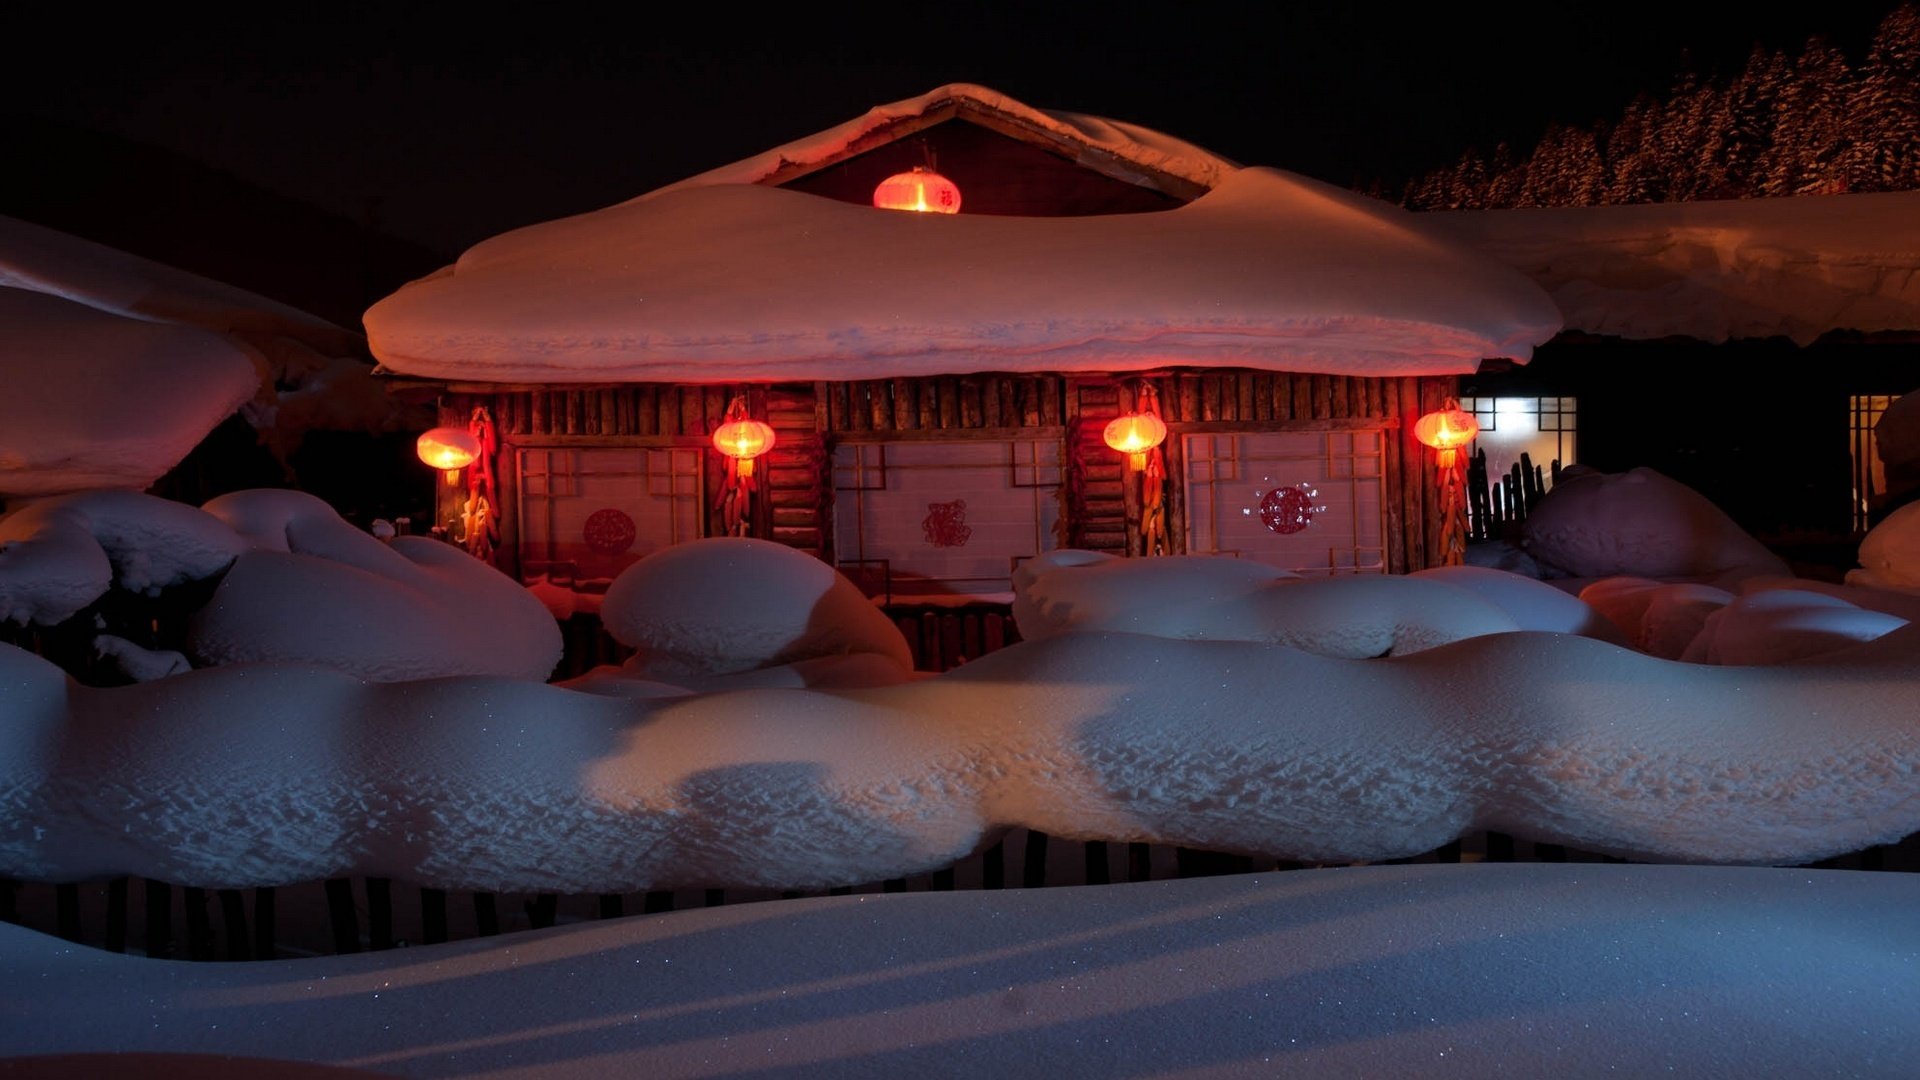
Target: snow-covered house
<point>939,384</point>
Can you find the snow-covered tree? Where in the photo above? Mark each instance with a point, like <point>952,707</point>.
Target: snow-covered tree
<point>1884,110</point>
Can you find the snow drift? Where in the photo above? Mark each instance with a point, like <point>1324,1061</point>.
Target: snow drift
<point>258,775</point>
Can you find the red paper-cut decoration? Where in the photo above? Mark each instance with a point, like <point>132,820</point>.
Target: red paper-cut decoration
<point>946,524</point>
<point>609,531</point>
<point>1288,510</point>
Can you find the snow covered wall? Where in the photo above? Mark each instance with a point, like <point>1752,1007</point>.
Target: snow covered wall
<point>1746,268</point>
<point>258,775</point>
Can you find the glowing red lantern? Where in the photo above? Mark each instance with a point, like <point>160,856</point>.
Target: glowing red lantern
<point>1448,428</point>
<point>448,449</point>
<point>1134,435</point>
<point>922,190</point>
<point>743,439</point>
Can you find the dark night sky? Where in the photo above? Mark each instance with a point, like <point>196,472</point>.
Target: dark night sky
<point>463,123</point>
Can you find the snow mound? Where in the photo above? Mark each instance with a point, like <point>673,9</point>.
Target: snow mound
<point>264,774</point>
<point>1216,598</point>
<point>730,604</point>
<point>261,774</point>
<point>58,555</point>
<point>1890,552</point>
<point>1656,617</point>
<point>1530,602</point>
<point>1897,434</point>
<point>1640,524</point>
<point>317,590</point>
<point>98,400</point>
<point>1780,625</point>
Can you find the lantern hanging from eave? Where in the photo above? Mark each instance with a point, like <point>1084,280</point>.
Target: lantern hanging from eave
<point>1447,429</point>
<point>921,190</point>
<point>448,449</point>
<point>1135,435</point>
<point>743,438</point>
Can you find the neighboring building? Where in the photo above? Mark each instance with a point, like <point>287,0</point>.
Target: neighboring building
<point>1745,347</point>
<point>939,384</point>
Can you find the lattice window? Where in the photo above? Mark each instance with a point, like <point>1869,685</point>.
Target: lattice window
<point>1543,428</point>
<point>1328,487</point>
<point>921,521</point>
<point>1869,475</point>
<point>587,514</point>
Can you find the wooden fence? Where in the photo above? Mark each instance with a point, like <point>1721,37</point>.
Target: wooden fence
<point>371,914</point>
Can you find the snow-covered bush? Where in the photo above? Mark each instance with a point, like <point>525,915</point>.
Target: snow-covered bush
<point>1215,598</point>
<point>1640,524</point>
<point>1890,553</point>
<point>296,583</point>
<point>731,604</point>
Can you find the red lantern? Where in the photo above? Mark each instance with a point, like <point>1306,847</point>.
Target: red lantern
<point>743,440</point>
<point>1448,428</point>
<point>448,449</point>
<point>1134,435</point>
<point>922,190</point>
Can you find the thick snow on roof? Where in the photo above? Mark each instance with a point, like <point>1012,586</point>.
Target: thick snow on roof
<point>1439,971</point>
<point>43,260</point>
<point>1269,270</point>
<point>719,278</point>
<point>97,399</point>
<point>1748,268</point>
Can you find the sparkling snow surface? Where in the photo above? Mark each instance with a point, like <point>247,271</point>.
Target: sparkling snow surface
<point>719,277</point>
<point>1443,971</point>
<point>1746,268</point>
<point>94,399</point>
<point>254,774</point>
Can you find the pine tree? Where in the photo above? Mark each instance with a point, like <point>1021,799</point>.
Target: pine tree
<point>1747,128</point>
<point>1782,126</point>
<point>1633,173</point>
<point>1504,177</point>
<point>1884,111</point>
<point>1810,137</point>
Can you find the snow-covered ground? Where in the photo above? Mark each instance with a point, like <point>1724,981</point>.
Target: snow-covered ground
<point>1469,971</point>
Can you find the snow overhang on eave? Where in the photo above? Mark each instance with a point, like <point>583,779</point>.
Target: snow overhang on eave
<point>1269,271</point>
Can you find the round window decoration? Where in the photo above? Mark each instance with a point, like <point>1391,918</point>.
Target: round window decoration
<point>609,531</point>
<point>1286,510</point>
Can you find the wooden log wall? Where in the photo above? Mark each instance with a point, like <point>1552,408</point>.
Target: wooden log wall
<point>791,506</point>
<point>1100,501</point>
<point>1103,498</point>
